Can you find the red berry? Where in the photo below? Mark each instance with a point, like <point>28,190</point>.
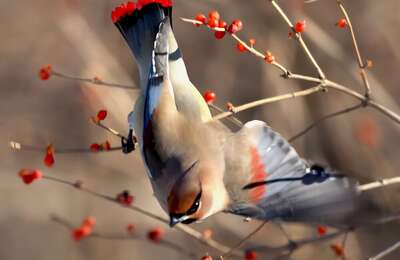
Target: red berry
<point>95,147</point>
<point>300,26</point>
<point>101,115</point>
<point>214,15</point>
<point>130,228</point>
<point>235,26</point>
<point>240,47</point>
<point>45,72</point>
<point>125,198</point>
<point>201,18</point>
<point>89,222</point>
<point>321,230</point>
<point>156,234</point>
<point>251,255</point>
<point>269,58</point>
<point>29,176</point>
<point>341,23</point>
<point>206,257</point>
<point>220,34</point>
<point>212,22</point>
<point>49,157</point>
<point>209,96</point>
<point>80,233</point>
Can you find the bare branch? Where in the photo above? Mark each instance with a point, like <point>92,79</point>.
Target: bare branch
<point>386,252</point>
<point>232,119</point>
<point>95,81</point>
<point>379,184</point>
<point>291,246</point>
<point>24,147</point>
<point>264,101</point>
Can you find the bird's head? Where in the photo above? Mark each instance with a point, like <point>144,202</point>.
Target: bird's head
<point>189,199</point>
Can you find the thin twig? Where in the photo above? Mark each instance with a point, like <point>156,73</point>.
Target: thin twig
<point>294,245</point>
<point>379,184</point>
<point>183,228</point>
<point>109,129</point>
<point>232,119</point>
<point>246,238</point>
<point>387,251</point>
<point>94,81</point>
<point>264,101</point>
<point>356,49</point>
<point>322,119</point>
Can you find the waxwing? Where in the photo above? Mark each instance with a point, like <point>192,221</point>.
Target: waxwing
<point>198,167</point>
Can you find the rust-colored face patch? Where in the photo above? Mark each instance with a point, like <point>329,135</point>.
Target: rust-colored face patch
<point>258,173</point>
<point>180,204</point>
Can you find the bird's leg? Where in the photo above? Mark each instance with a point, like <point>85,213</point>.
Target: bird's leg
<point>128,143</point>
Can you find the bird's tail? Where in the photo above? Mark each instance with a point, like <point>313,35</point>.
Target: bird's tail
<point>139,24</point>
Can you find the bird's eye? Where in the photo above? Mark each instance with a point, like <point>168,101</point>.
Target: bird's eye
<point>195,206</point>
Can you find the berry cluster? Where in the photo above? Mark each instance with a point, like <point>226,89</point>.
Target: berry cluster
<point>215,22</point>
<point>85,229</point>
<point>95,147</point>
<point>29,176</point>
<point>220,28</point>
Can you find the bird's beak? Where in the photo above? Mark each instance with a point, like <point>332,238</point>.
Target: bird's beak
<point>174,220</point>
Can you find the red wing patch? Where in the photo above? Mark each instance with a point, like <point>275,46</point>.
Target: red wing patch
<point>258,173</point>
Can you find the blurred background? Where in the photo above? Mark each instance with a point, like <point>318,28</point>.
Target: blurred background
<point>78,38</point>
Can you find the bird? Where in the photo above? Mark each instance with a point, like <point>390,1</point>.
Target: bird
<point>197,166</point>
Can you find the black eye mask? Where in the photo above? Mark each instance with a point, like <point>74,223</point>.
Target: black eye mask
<point>189,221</point>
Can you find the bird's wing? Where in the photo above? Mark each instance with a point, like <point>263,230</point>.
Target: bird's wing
<point>257,153</point>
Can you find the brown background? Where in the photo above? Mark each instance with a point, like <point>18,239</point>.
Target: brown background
<point>78,38</point>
